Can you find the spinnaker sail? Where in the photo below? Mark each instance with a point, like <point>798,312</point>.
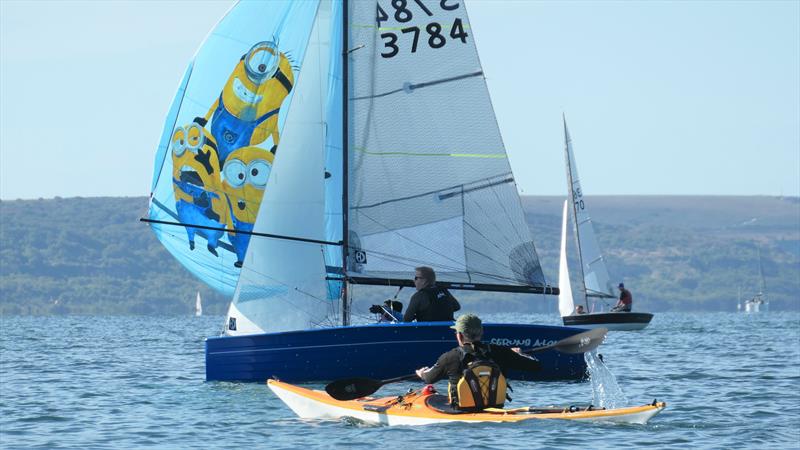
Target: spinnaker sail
<point>222,136</point>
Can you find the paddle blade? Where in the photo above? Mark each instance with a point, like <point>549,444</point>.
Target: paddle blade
<point>582,342</point>
<point>352,388</point>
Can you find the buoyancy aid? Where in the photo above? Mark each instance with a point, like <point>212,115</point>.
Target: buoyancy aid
<point>482,384</point>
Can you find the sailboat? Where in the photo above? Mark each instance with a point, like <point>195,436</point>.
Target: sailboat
<point>198,306</point>
<point>759,302</point>
<point>315,149</point>
<point>595,282</point>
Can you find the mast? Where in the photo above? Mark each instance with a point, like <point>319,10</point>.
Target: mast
<point>345,188</point>
<point>574,209</point>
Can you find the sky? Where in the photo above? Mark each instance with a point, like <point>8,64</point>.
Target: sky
<point>661,98</point>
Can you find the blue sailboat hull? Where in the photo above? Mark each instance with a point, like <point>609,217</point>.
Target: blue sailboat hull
<point>375,351</point>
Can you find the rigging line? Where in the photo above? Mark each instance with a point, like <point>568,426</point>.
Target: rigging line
<point>202,264</point>
<point>454,155</point>
<point>279,282</point>
<point>175,121</point>
<point>252,233</point>
<point>425,194</point>
<point>220,244</point>
<point>408,87</point>
<point>413,261</point>
<point>521,238</point>
<point>493,222</point>
<point>485,238</point>
<point>289,287</point>
<point>494,276</point>
<point>410,240</point>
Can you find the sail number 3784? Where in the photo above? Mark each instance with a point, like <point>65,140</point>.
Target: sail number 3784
<point>433,32</point>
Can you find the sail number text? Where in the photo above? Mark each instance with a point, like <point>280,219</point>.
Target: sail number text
<point>433,33</point>
<point>577,198</point>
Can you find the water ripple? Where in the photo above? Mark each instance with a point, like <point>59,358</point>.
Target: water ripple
<point>730,381</point>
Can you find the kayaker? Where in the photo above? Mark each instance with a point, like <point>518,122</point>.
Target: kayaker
<point>456,363</point>
<point>430,303</point>
<point>625,300</point>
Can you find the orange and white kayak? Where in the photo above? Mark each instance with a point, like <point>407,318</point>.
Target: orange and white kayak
<point>423,408</point>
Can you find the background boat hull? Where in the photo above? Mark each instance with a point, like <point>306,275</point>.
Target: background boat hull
<point>620,321</point>
<point>375,351</point>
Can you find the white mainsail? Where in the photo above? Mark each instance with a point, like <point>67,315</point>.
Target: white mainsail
<point>198,306</point>
<point>596,282</point>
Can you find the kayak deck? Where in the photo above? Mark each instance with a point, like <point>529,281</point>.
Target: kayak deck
<point>417,408</point>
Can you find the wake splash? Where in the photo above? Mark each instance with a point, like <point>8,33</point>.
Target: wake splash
<point>605,390</point>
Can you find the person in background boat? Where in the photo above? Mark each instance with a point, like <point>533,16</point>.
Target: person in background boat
<point>456,363</point>
<point>390,311</point>
<point>625,300</point>
<point>579,310</point>
<point>430,303</point>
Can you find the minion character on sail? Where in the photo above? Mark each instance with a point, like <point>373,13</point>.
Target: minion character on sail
<point>246,112</point>
<point>196,184</point>
<point>244,177</point>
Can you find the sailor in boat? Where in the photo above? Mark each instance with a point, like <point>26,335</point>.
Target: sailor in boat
<point>579,310</point>
<point>390,311</point>
<point>430,303</point>
<point>625,300</point>
<point>475,370</point>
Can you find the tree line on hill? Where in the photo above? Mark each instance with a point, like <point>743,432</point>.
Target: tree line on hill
<point>93,255</point>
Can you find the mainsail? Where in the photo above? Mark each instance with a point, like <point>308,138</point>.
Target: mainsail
<point>379,153</point>
<point>594,274</point>
<point>429,178</point>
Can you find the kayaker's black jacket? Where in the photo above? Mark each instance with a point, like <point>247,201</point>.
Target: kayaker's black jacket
<point>451,364</point>
<point>431,304</point>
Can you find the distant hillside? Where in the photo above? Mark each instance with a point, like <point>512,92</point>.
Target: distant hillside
<point>93,256</point>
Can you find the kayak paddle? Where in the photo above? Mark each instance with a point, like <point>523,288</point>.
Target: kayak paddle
<point>353,388</point>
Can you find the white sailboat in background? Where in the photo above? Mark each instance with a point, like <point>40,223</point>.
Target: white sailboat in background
<point>198,306</point>
<point>759,302</point>
<point>594,275</point>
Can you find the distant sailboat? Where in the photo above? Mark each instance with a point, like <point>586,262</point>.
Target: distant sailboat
<point>594,275</point>
<point>759,302</point>
<point>198,306</point>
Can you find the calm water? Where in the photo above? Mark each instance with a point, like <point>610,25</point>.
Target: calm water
<point>731,381</point>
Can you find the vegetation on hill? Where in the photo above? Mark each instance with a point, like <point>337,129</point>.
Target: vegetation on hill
<point>93,255</point>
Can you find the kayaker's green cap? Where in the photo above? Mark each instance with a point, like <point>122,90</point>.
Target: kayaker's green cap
<point>469,324</point>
